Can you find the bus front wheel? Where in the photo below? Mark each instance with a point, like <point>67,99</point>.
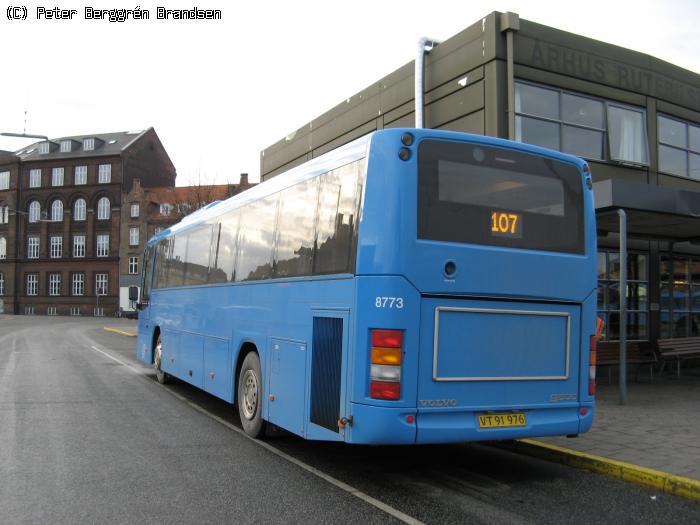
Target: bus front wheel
<point>161,376</point>
<point>250,396</point>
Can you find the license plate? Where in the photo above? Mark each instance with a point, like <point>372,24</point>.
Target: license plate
<point>503,420</point>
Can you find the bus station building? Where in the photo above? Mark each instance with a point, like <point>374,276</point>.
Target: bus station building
<point>633,117</point>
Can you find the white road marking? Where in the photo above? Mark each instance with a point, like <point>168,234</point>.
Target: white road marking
<point>316,472</point>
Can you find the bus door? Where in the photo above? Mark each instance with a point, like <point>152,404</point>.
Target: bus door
<point>144,344</point>
<point>309,382</point>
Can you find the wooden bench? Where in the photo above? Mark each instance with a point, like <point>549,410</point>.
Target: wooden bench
<point>637,354</point>
<point>678,349</point>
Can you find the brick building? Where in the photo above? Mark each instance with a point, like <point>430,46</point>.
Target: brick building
<point>64,222</point>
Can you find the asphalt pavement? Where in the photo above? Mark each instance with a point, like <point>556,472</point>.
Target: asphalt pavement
<point>88,436</point>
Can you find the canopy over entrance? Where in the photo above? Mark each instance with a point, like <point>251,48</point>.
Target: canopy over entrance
<point>641,210</point>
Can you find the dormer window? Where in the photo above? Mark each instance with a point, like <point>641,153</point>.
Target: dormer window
<point>44,148</point>
<point>89,144</point>
<point>66,146</point>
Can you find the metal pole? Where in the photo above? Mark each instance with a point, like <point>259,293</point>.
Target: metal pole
<point>623,306</point>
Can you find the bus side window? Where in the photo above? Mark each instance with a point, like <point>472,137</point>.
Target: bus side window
<point>295,230</point>
<point>255,240</point>
<point>336,235</point>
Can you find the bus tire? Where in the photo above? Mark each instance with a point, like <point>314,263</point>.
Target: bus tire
<point>161,376</point>
<point>250,396</point>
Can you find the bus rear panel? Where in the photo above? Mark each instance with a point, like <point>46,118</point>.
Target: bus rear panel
<point>483,257</point>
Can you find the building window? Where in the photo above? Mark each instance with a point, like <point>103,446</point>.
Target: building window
<point>66,146</point>
<point>4,214</point>
<point>79,210</point>
<point>57,177</point>
<point>57,210</point>
<point>3,248</point>
<point>135,210</point>
<point>78,245</point>
<point>54,284</point>
<point>637,295</point>
<point>2,284</point>
<point>32,284</point>
<point>103,245</point>
<point>44,148</point>
<point>165,209</point>
<point>35,178</point>
<point>78,284</point>
<point>89,144</point>
<point>157,230</point>
<point>101,284</point>
<point>4,180</point>
<point>56,247</point>
<point>133,265</point>
<point>34,211</point>
<point>75,310</point>
<point>680,296</point>
<point>28,310</point>
<point>103,208</point>
<point>679,147</point>
<point>133,236</point>
<point>51,310</point>
<point>33,247</point>
<point>80,175</point>
<point>104,173</point>
<point>577,124</point>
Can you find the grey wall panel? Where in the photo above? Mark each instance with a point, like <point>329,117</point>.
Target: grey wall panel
<point>462,102</point>
<point>602,171</point>
<point>495,99</point>
<point>473,123</point>
<point>678,183</point>
<point>347,137</point>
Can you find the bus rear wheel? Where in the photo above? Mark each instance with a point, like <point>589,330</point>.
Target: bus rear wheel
<point>161,376</point>
<point>250,396</point>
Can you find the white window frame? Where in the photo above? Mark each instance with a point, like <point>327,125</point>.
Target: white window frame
<point>35,178</point>
<point>54,284</point>
<point>133,265</point>
<point>3,248</point>
<point>4,214</point>
<point>135,209</point>
<point>101,283</point>
<point>89,144</point>
<point>104,174</point>
<point>166,209</point>
<point>2,284</point>
<point>79,209</point>
<point>102,245</point>
<point>79,246</point>
<point>103,208</point>
<point>57,176</point>
<point>34,211</point>
<point>80,175</point>
<point>66,146</point>
<point>44,148</point>
<point>134,236</point>
<point>4,180</point>
<point>33,245</point>
<point>57,210</point>
<point>32,284</point>
<point>78,284</point>
<point>56,247</point>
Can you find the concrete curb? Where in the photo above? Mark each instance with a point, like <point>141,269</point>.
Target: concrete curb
<point>655,479</point>
<point>119,332</point>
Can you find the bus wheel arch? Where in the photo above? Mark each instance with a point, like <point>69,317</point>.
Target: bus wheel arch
<point>249,390</point>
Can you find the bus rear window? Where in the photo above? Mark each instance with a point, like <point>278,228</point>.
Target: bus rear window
<point>477,194</point>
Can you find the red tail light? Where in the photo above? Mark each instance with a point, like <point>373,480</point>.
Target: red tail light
<point>386,355</point>
<point>382,390</point>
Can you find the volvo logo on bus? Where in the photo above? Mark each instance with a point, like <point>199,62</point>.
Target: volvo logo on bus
<point>437,402</point>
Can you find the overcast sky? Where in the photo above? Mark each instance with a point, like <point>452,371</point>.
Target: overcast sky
<point>218,92</point>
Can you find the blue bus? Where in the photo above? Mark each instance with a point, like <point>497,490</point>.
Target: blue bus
<point>413,286</point>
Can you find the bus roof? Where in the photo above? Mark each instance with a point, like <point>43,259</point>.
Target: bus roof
<point>339,157</point>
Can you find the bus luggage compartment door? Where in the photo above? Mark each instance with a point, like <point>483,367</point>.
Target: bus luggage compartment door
<point>489,355</point>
